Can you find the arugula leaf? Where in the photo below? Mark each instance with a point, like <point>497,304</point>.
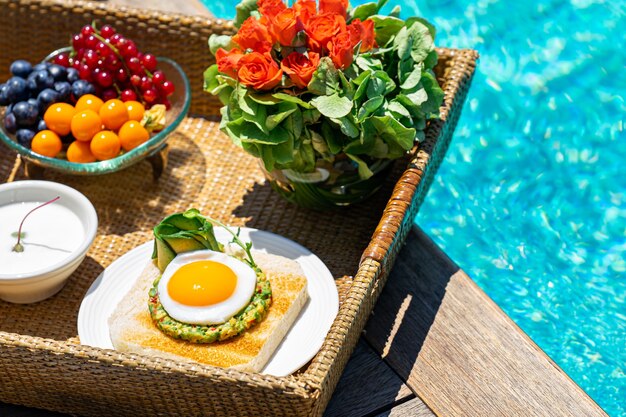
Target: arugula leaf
<point>284,110</point>
<point>435,93</point>
<point>244,10</point>
<point>333,106</point>
<point>292,99</point>
<point>347,125</point>
<point>364,11</point>
<point>325,80</point>
<point>332,138</point>
<point>369,107</point>
<point>220,41</point>
<point>364,171</point>
<point>386,28</point>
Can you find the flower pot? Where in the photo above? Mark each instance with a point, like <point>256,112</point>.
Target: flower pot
<point>331,185</point>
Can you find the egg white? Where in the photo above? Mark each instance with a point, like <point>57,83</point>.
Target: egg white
<point>217,313</point>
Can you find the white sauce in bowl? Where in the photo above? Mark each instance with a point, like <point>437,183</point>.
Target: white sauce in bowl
<point>50,234</point>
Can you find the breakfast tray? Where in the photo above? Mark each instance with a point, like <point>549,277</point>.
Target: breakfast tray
<point>43,364</point>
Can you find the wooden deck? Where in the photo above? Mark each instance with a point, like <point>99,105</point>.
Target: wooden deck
<point>436,345</point>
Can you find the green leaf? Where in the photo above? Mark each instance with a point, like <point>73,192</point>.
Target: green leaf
<point>283,152</point>
<point>363,145</point>
<point>244,10</point>
<point>413,108</point>
<point>348,88</point>
<point>403,42</point>
<point>360,91</point>
<point>413,78</point>
<point>304,157</point>
<point>220,41</point>
<point>386,27</point>
<point>325,80</point>
<point>311,116</point>
<point>398,109</point>
<point>392,131</point>
<point>333,106</point>
<point>369,63</point>
<point>284,110</point>
<point>292,99</point>
<point>395,12</point>
<point>364,171</point>
<point>430,26</point>
<point>251,133</point>
<point>376,87</point>
<point>418,96</point>
<point>258,118</point>
<point>381,4</point>
<point>210,81</point>
<point>251,148</point>
<point>320,145</point>
<point>363,77</point>
<point>332,138</point>
<point>264,99</point>
<point>244,102</point>
<point>348,126</point>
<point>390,85</point>
<point>370,106</point>
<point>435,93</point>
<point>267,156</point>
<point>422,41</point>
<point>364,11</point>
<point>431,59</point>
<point>294,125</point>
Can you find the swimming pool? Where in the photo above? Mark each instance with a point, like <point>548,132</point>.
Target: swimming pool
<point>531,199</point>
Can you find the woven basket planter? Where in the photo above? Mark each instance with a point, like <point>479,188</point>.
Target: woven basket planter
<point>43,364</point>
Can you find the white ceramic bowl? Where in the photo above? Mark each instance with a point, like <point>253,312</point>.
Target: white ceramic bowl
<point>39,284</point>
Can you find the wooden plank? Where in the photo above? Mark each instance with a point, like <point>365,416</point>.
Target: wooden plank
<point>411,408</point>
<point>457,350</point>
<point>367,386</point>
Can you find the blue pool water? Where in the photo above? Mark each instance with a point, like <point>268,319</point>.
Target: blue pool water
<point>531,199</point>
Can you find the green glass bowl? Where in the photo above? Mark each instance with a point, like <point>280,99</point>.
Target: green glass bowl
<point>180,100</point>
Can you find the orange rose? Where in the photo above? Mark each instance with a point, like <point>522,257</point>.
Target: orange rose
<point>300,68</point>
<point>341,50</point>
<point>227,62</point>
<point>322,28</point>
<point>285,25</point>
<point>259,71</point>
<point>305,9</point>
<point>362,32</point>
<point>339,7</point>
<point>253,35</point>
<point>270,8</point>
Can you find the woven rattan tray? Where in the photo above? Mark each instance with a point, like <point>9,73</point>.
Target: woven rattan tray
<point>42,363</point>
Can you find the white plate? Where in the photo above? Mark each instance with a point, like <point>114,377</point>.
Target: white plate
<point>300,344</point>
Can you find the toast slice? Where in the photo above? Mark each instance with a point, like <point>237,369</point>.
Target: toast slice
<point>132,330</point>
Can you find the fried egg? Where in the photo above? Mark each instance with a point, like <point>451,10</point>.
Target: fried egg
<point>205,287</point>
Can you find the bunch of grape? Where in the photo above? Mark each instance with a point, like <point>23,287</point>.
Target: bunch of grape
<point>116,67</point>
<point>30,92</point>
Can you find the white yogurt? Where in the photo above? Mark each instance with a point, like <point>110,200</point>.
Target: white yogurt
<point>50,234</point>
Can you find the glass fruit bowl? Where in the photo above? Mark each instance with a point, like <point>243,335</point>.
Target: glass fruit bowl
<point>180,101</point>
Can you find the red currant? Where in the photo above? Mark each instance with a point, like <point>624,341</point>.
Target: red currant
<point>115,38</point>
<point>103,49</point>
<point>128,95</point>
<point>129,50</point>
<point>135,80</point>
<point>105,79</point>
<point>91,41</point>
<point>168,88</point>
<point>150,95</point>
<point>77,41</point>
<point>112,62</point>
<point>108,94</point>
<point>121,75</point>
<point>107,31</point>
<point>86,30</point>
<point>62,60</point>
<point>158,77</point>
<point>149,61</point>
<point>134,65</point>
<point>91,58</point>
<point>146,83</point>
<point>85,73</point>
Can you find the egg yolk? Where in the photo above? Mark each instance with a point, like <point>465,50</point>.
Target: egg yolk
<point>202,283</point>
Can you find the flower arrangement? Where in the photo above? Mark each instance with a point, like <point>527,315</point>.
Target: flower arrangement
<point>324,87</point>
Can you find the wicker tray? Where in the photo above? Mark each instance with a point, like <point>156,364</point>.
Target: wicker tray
<point>42,363</point>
